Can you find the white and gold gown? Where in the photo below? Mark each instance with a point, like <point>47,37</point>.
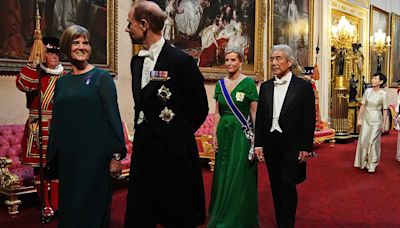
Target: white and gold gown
<point>369,141</point>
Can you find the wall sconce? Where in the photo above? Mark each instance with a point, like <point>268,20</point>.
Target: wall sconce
<point>379,43</point>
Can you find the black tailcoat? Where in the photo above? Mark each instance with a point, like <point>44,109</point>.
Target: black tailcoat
<point>166,184</point>
<point>281,150</point>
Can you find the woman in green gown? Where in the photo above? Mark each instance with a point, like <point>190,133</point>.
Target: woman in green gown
<point>86,139</point>
<point>234,189</point>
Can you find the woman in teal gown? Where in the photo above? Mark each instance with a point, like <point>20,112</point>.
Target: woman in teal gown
<point>234,188</point>
<point>86,139</point>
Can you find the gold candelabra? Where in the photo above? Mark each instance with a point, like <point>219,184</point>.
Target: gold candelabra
<point>379,43</point>
<point>343,34</point>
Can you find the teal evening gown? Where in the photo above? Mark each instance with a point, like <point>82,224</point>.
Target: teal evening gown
<point>86,131</point>
<point>234,190</point>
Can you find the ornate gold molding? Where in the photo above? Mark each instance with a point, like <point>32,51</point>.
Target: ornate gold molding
<point>351,113</point>
<point>394,51</point>
<point>7,179</point>
<point>208,151</point>
<point>363,3</point>
<point>112,35</point>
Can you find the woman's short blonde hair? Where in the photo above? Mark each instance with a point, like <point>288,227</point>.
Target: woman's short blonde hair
<point>69,34</point>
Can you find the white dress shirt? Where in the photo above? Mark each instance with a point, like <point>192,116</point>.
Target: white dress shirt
<point>150,60</point>
<point>281,87</point>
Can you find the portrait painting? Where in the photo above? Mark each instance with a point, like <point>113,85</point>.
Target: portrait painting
<point>205,28</point>
<point>379,20</point>
<point>394,75</point>
<point>19,21</point>
<point>292,25</point>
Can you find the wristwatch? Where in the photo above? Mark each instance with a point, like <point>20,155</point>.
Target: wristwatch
<point>117,156</point>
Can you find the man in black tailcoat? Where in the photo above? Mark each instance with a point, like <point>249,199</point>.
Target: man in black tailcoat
<point>166,185</point>
<point>284,132</point>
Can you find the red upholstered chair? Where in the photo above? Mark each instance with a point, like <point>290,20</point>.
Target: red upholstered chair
<point>204,140</point>
<point>322,131</point>
<point>15,179</point>
<point>324,134</point>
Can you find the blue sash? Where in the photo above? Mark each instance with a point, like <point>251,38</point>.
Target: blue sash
<point>246,123</point>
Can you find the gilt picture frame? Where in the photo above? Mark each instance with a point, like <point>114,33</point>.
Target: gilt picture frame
<point>394,75</point>
<point>99,17</point>
<point>204,29</point>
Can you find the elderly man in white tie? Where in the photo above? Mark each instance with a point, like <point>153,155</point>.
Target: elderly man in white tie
<point>284,132</point>
<point>165,182</point>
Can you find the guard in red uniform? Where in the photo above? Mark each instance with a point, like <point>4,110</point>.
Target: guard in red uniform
<point>27,82</point>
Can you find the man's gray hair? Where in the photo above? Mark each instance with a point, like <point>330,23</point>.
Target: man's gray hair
<point>286,49</point>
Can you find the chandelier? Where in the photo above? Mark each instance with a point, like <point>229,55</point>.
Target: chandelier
<point>343,34</point>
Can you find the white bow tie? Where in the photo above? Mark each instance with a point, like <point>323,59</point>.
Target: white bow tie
<point>146,53</point>
<point>278,82</point>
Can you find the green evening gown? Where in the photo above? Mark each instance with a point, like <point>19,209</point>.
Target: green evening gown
<point>234,190</point>
<point>86,131</point>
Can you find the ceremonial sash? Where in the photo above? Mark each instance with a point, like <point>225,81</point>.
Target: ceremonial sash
<point>246,123</point>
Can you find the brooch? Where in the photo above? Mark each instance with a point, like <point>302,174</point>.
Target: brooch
<point>160,76</point>
<point>164,93</point>
<point>239,96</point>
<point>167,115</point>
<point>87,79</point>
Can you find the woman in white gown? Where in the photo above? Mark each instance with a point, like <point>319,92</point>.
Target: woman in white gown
<point>235,34</point>
<point>188,21</point>
<point>293,17</point>
<point>372,122</point>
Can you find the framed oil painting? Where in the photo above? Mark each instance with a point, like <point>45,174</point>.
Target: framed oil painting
<point>379,19</point>
<point>18,23</point>
<point>292,24</point>
<point>204,29</point>
<point>394,75</point>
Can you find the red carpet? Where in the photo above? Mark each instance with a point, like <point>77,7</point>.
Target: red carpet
<point>334,195</point>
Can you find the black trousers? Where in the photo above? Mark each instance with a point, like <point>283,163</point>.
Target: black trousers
<point>283,168</point>
<point>152,184</point>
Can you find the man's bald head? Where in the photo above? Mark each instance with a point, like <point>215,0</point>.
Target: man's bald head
<point>152,13</point>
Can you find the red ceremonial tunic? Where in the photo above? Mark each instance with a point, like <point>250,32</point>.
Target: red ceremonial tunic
<point>28,82</point>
